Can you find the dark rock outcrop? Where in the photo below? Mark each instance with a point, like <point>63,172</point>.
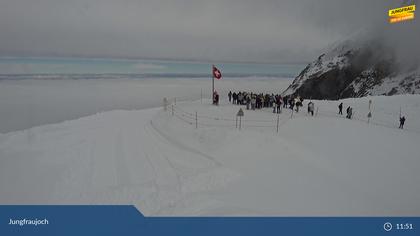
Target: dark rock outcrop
<point>354,71</point>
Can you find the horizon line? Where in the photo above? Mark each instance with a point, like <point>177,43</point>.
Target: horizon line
<point>173,60</point>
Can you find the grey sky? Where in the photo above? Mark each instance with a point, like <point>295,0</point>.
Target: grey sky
<point>229,30</point>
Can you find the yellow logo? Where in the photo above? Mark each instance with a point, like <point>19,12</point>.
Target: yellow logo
<point>401,14</point>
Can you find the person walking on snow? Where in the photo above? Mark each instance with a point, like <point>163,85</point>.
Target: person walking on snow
<point>402,121</point>
<point>298,103</point>
<point>311,107</point>
<point>340,109</point>
<point>230,96</point>
<point>348,112</point>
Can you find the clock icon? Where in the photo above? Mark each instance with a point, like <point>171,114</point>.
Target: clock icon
<point>387,226</point>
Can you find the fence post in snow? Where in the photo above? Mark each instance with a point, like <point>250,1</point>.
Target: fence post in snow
<point>165,104</point>
<point>196,120</point>
<point>278,119</point>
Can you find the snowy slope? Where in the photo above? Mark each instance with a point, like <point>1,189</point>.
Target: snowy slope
<point>323,165</point>
<point>391,85</point>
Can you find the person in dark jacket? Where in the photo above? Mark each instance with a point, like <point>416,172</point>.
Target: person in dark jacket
<point>230,96</point>
<point>278,103</point>
<point>291,103</point>
<point>349,112</point>
<point>311,108</point>
<point>340,109</point>
<point>402,121</point>
<point>285,101</point>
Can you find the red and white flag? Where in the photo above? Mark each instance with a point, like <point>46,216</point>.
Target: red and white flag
<point>216,73</point>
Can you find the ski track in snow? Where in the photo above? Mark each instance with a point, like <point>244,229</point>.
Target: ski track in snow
<point>165,166</point>
<point>175,198</point>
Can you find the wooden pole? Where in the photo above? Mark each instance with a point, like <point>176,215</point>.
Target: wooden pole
<point>165,104</point>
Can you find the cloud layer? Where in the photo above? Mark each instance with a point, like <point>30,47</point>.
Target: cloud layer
<point>235,30</point>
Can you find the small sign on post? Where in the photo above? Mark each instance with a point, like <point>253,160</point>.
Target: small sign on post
<point>240,114</point>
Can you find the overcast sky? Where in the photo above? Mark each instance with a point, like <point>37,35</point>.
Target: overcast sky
<point>286,31</point>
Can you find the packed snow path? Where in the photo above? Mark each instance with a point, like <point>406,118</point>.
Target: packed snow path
<point>322,165</point>
<point>122,159</point>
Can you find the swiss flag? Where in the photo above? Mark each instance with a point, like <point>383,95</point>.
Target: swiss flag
<point>216,73</point>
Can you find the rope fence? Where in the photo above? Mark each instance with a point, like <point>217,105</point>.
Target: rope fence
<point>198,120</point>
<point>218,121</point>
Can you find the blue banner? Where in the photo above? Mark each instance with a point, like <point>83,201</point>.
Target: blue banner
<point>127,220</point>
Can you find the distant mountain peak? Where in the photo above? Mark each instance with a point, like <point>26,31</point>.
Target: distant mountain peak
<point>359,66</point>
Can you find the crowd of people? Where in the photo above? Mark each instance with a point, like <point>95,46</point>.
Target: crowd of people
<point>277,102</point>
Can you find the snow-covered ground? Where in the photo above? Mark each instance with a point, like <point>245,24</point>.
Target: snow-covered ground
<point>324,165</point>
